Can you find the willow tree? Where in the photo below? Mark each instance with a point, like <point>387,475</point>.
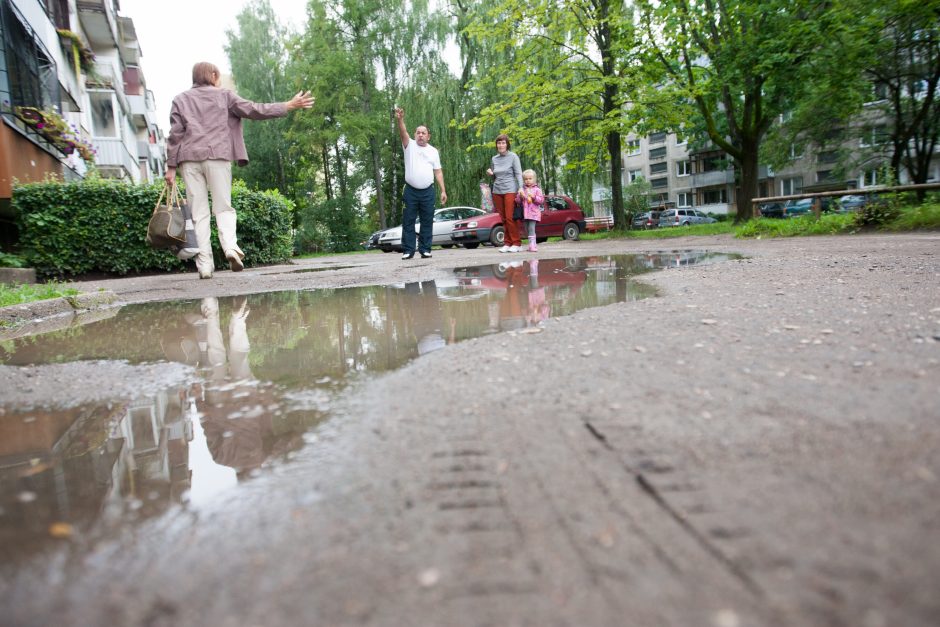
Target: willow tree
<point>565,82</point>
<point>741,64</point>
<point>257,56</point>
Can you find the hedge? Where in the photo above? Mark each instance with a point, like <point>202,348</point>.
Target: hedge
<point>99,225</point>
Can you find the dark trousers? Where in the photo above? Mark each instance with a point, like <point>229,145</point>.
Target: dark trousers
<point>419,204</point>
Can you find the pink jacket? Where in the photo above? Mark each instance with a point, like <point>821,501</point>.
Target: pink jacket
<point>532,200</point>
<point>206,123</point>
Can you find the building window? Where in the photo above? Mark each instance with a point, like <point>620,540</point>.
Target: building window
<point>870,178</point>
<point>827,156</point>
<point>633,147</point>
<point>31,73</point>
<point>658,168</point>
<point>823,176</point>
<point>657,138</point>
<point>633,175</point>
<point>103,123</point>
<point>657,153</point>
<point>681,141</point>
<point>879,92</point>
<point>874,136</point>
<point>715,196</point>
<point>683,168</point>
<point>684,199</point>
<point>796,151</point>
<point>659,183</point>
<point>791,186</point>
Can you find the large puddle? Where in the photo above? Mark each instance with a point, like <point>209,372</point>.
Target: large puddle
<point>263,371</point>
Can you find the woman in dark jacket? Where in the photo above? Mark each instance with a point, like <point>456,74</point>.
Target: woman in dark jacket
<point>205,138</point>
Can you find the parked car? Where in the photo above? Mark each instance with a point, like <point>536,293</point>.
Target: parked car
<point>444,220</point>
<point>562,218</point>
<point>648,220</point>
<point>854,202</point>
<point>683,217</point>
<point>372,242</point>
<point>771,209</point>
<point>803,206</point>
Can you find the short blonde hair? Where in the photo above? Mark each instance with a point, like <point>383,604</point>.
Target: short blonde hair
<point>532,172</point>
<point>205,73</point>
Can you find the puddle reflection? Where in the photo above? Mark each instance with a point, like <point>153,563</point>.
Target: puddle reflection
<point>267,368</point>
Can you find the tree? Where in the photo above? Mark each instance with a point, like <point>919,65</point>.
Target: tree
<point>907,67</point>
<point>257,56</point>
<point>562,81</point>
<point>738,65</point>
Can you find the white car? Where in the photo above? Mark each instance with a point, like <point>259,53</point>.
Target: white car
<point>444,219</point>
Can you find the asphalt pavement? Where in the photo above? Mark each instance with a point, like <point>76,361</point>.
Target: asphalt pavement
<point>759,445</point>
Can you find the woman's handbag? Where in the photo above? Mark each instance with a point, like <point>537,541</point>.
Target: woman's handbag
<point>167,226</point>
<point>518,212</point>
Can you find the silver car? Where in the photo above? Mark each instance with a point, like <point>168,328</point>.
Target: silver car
<point>683,217</point>
<point>444,220</point>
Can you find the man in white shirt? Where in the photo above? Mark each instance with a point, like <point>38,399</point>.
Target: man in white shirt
<point>422,169</point>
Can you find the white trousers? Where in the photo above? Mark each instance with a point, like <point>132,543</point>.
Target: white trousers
<point>202,177</point>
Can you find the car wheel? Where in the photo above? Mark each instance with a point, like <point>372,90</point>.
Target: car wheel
<point>447,245</point>
<point>497,237</point>
<point>386,250</point>
<point>571,231</point>
<point>541,240</point>
<point>471,246</point>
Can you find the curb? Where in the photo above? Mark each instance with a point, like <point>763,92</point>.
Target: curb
<point>52,314</point>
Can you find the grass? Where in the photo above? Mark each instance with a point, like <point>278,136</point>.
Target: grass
<point>19,294</point>
<point>918,217</point>
<point>911,218</point>
<point>828,224</point>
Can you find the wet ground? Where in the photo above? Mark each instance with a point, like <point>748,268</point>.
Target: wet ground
<point>526,442</point>
<point>250,393</point>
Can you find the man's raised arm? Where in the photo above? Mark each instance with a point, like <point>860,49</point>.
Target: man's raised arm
<point>402,131</point>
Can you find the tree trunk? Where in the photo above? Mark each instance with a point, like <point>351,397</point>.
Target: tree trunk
<point>749,168</point>
<point>377,168</point>
<point>327,179</point>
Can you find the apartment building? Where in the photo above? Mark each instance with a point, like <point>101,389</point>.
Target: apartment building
<point>72,94</point>
<point>704,178</point>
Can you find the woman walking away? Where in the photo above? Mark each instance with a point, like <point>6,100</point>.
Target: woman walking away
<point>532,200</point>
<point>507,173</point>
<point>205,138</point>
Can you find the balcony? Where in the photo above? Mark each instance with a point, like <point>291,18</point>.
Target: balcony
<point>114,159</point>
<point>99,21</point>
<point>715,177</point>
<point>142,110</point>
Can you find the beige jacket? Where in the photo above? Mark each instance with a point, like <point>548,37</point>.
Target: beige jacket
<point>206,123</point>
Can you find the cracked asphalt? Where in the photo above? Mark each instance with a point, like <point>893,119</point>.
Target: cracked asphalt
<point>759,445</point>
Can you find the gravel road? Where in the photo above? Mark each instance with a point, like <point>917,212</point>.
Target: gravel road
<point>760,445</point>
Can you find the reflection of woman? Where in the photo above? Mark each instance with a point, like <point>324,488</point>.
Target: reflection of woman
<point>205,137</point>
<point>507,180</point>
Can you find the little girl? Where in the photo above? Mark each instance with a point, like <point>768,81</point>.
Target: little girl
<point>532,199</point>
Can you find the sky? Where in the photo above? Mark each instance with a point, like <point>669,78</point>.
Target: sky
<point>176,34</point>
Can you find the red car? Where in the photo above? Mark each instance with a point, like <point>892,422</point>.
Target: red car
<point>562,218</point>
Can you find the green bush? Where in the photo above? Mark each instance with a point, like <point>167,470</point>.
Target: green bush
<point>878,214</point>
<point>99,225</point>
<point>9,260</point>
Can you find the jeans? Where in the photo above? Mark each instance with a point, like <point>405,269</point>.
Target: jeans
<point>419,203</point>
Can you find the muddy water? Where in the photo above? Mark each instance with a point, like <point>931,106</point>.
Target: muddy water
<point>264,369</point>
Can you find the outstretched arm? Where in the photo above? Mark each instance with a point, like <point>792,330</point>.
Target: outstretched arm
<point>402,131</point>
